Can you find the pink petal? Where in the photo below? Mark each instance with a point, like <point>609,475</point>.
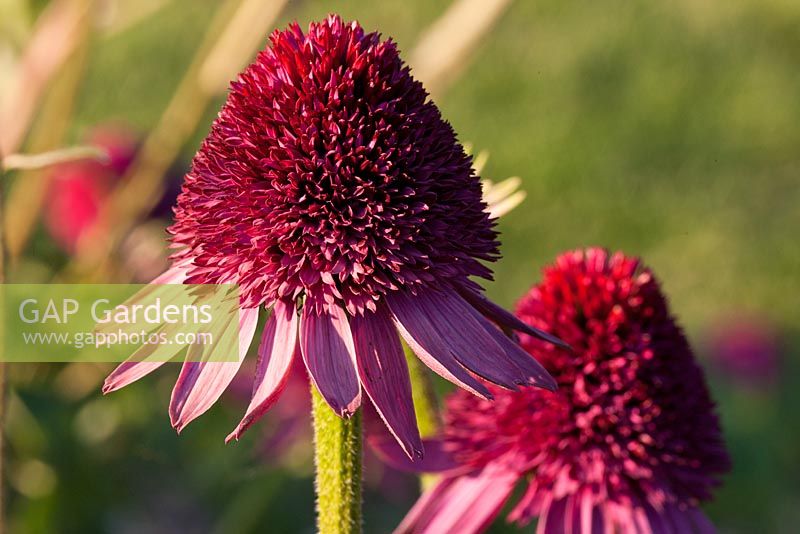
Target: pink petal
<point>679,519</point>
<point>572,520</point>
<point>329,354</point>
<point>702,523</point>
<point>384,374</point>
<point>505,318</point>
<point>201,383</point>
<point>275,355</point>
<point>426,507</point>
<point>468,505</point>
<point>590,516</point>
<point>174,275</point>
<point>135,367</point>
<point>483,349</point>
<point>127,372</point>
<point>536,373</point>
<point>553,519</point>
<point>655,523</point>
<point>130,371</point>
<point>470,343</point>
<point>470,340</point>
<point>410,319</point>
<point>436,459</point>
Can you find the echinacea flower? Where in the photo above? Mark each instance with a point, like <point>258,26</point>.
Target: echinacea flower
<point>629,443</point>
<point>332,191</point>
<point>746,351</point>
<point>78,189</point>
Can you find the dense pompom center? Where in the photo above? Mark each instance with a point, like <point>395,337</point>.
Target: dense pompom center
<point>330,174</point>
<point>632,418</point>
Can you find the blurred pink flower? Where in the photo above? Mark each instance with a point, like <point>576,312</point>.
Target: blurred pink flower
<point>629,443</point>
<point>78,189</point>
<point>331,183</point>
<point>746,350</point>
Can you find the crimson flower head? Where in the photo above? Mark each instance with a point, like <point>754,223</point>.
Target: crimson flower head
<point>330,184</point>
<point>629,443</point>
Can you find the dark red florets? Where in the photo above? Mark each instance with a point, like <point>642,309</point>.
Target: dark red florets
<point>330,174</point>
<point>632,421</point>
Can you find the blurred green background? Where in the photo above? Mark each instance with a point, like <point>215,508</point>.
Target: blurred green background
<point>669,130</point>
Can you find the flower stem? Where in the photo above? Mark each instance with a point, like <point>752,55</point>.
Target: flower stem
<point>337,456</point>
<point>426,405</point>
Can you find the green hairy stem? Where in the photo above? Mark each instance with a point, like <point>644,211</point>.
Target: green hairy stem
<point>338,458</point>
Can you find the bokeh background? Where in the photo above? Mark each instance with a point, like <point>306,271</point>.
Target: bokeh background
<point>669,130</point>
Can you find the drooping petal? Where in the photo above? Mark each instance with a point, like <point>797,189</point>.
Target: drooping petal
<point>427,343</point>
<point>553,518</point>
<point>175,274</point>
<point>505,318</point>
<point>201,383</point>
<point>702,523</point>
<point>466,506</point>
<point>530,367</point>
<point>482,348</point>
<point>275,356</point>
<point>679,519</point>
<point>436,459</point>
<point>384,374</point>
<point>141,363</point>
<point>327,347</point>
<point>426,507</point>
<point>590,520</point>
<point>128,372</point>
<point>468,338</point>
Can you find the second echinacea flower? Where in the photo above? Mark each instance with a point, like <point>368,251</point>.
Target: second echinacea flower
<point>332,191</point>
<point>630,442</point>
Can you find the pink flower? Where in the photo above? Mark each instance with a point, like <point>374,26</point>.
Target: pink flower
<point>629,443</point>
<point>79,189</point>
<point>333,192</point>
<point>746,350</point>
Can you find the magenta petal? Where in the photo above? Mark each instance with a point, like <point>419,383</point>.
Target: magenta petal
<point>590,520</point>
<point>134,368</point>
<point>468,505</point>
<point>553,519</point>
<point>384,374</point>
<point>436,459</point>
<point>701,522</point>
<point>477,348</point>
<point>536,373</point>
<point>655,523</point>
<point>201,383</point>
<point>426,342</point>
<point>127,372</point>
<point>275,355</point>
<point>426,507</point>
<point>469,339</point>
<point>327,347</point>
<point>506,318</point>
<point>174,275</point>
<point>679,519</point>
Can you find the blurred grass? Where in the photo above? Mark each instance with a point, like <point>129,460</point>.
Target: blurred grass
<point>668,130</point>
